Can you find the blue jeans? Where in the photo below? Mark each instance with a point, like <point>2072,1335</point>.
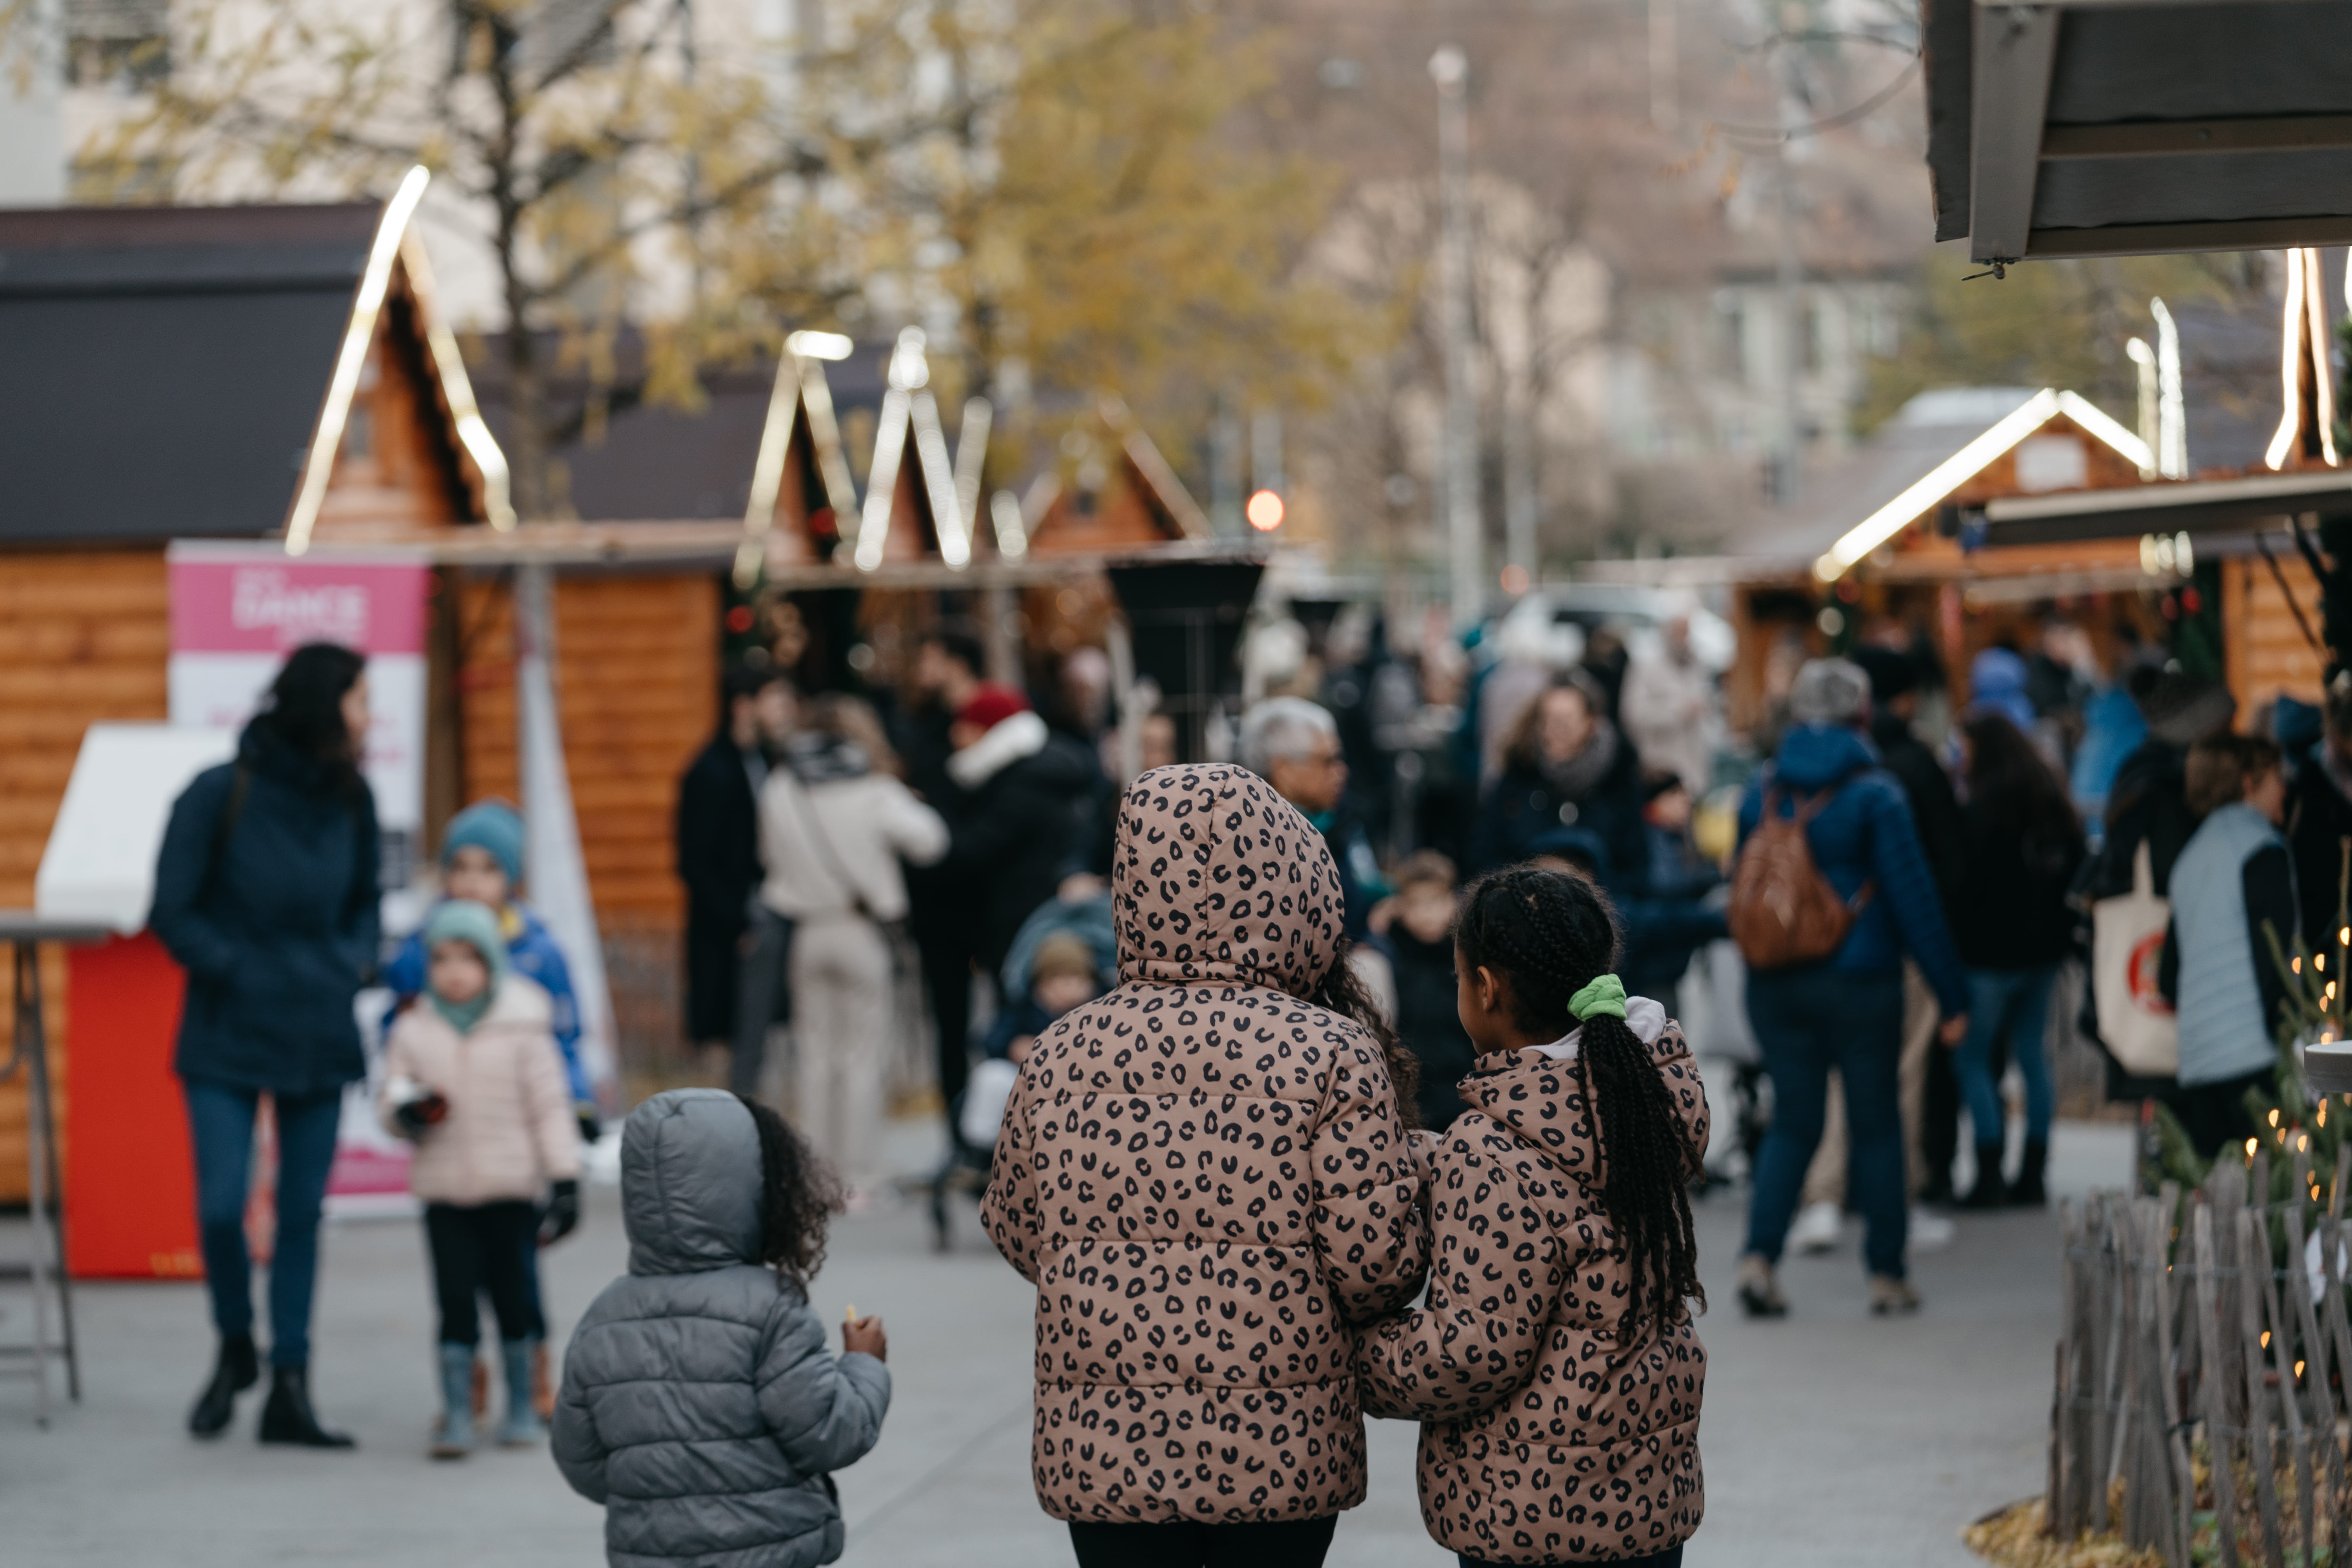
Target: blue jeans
<point>221,1118</point>
<point>1808,1021</point>
<point>2012,1003</point>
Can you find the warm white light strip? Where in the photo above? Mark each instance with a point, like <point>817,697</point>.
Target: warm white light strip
<point>2172,404</point>
<point>775,441</point>
<point>832,467</point>
<point>358,333</point>
<point>882,480</point>
<point>971,460</point>
<point>2096,421</point>
<point>938,480</point>
<point>2151,416</point>
<point>2322,377</point>
<point>819,345</point>
<point>2290,365</point>
<point>1940,481</point>
<point>457,391</point>
<point>1011,527</point>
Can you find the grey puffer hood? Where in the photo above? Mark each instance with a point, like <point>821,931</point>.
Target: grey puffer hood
<point>691,1183</point>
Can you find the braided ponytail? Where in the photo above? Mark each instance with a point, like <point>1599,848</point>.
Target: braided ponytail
<point>1548,935</point>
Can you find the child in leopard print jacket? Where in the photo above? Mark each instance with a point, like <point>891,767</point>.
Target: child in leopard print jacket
<point>1555,1369</point>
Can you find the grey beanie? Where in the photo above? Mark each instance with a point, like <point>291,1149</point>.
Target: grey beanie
<point>1829,691</point>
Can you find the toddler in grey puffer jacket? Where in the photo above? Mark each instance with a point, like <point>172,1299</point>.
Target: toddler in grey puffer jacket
<point>702,1404</point>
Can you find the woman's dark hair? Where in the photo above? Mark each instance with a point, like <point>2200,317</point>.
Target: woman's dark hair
<point>798,1198</point>
<point>1523,739</point>
<point>2011,783</point>
<point>2221,768</point>
<point>1340,992</point>
<point>1547,935</point>
<point>306,703</point>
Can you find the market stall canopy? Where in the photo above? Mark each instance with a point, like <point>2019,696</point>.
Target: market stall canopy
<point>2198,506</point>
<point>2131,127</point>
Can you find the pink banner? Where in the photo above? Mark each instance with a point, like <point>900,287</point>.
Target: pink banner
<point>272,606</point>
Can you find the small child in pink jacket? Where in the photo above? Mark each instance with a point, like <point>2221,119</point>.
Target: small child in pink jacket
<point>473,1075</point>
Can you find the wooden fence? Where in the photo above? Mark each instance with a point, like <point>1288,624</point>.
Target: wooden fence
<point>2199,1407</point>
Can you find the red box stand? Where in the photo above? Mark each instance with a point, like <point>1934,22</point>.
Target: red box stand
<point>130,1176</point>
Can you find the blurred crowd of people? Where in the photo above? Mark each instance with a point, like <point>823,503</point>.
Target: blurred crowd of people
<point>954,847</point>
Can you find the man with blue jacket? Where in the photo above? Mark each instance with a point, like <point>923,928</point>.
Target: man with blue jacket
<point>1844,1012</point>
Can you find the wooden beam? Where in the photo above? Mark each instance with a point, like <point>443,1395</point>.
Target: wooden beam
<point>2178,138</point>
<point>2015,48</point>
<point>2172,238</point>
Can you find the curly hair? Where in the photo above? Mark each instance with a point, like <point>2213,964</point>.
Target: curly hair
<point>798,1197</point>
<point>1341,992</point>
<point>1547,935</point>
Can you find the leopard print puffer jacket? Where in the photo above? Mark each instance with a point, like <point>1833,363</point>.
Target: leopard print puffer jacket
<point>1206,1178</point>
<point>1543,1440</point>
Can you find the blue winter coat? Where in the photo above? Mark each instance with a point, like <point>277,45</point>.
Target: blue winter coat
<point>1864,834</point>
<point>532,953</point>
<point>278,931</point>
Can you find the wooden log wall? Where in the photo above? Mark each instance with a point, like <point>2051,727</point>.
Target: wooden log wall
<point>637,682</point>
<point>2265,650</point>
<point>85,636</point>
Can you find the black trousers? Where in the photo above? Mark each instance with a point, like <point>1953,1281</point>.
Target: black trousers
<point>484,1248</point>
<point>947,955</point>
<point>1284,1543</point>
<point>2214,1114</point>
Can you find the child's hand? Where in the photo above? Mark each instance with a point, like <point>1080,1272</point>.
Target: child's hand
<point>1018,1051</point>
<point>864,1335</point>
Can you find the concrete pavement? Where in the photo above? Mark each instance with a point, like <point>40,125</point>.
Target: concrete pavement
<point>1830,1439</point>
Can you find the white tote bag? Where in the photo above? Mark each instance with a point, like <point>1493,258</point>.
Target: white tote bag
<point>2126,944</point>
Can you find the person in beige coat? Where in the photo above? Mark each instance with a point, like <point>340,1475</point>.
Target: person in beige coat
<point>473,1075</point>
<point>1555,1369</point>
<point>835,825</point>
<point>1204,1173</point>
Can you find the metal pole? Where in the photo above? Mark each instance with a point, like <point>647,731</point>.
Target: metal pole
<point>38,1134</point>
<point>1459,485</point>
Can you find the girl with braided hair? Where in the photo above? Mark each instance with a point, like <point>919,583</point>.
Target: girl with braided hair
<point>1555,1367</point>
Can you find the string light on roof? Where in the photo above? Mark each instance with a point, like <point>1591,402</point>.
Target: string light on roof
<point>1265,512</point>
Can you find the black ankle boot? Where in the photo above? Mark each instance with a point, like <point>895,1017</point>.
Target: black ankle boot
<point>235,1370</point>
<point>2026,1192</point>
<point>288,1418</point>
<point>1989,1193</point>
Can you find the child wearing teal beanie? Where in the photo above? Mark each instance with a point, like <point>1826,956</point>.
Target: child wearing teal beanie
<point>471,1075</point>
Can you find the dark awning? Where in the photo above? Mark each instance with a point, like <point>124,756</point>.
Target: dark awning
<point>2193,506</point>
<point>2128,127</point>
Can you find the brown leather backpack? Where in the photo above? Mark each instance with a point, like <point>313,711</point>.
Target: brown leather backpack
<point>1783,911</point>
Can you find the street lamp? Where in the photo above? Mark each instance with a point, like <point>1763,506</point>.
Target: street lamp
<point>1458,490</point>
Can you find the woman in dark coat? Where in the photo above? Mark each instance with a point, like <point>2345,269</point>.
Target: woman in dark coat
<point>1566,765</point>
<point>266,891</point>
<point>2024,844</point>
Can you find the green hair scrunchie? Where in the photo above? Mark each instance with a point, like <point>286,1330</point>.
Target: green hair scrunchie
<point>1606,995</point>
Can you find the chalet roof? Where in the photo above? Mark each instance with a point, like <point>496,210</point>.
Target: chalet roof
<point>165,365</point>
<point>188,371</point>
<point>1906,470</point>
<point>651,460</point>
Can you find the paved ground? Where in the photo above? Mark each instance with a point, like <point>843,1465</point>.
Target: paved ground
<point>1830,1439</point>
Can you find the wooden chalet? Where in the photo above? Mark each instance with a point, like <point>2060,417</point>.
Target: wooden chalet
<point>227,373</point>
